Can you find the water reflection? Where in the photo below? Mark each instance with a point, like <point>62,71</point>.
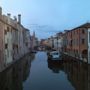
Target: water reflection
<point>13,78</point>
<point>78,73</point>
<point>55,66</point>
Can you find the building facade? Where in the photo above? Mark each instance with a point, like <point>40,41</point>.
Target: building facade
<point>14,40</point>
<point>33,42</point>
<point>77,42</point>
<point>74,42</point>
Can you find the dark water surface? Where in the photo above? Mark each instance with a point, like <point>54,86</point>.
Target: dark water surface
<point>35,72</point>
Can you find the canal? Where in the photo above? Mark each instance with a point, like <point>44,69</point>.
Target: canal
<point>35,72</point>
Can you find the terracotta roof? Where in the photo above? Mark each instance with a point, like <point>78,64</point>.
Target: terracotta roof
<point>86,25</point>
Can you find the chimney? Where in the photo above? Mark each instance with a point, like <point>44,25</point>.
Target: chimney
<point>0,11</point>
<point>19,18</point>
<point>9,15</point>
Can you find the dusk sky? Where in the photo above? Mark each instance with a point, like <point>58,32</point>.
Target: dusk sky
<point>47,17</point>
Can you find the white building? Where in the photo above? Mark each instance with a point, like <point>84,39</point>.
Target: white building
<point>55,41</point>
<point>60,43</point>
<point>58,40</point>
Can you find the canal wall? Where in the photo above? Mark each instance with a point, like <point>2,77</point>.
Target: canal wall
<point>13,77</point>
<point>28,56</point>
<point>67,57</point>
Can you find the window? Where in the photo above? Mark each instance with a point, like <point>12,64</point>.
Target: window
<point>76,42</point>
<point>83,41</point>
<point>6,46</point>
<point>5,31</point>
<point>71,34</point>
<point>26,44</point>
<point>71,42</point>
<point>77,31</point>
<point>74,31</point>
<point>83,31</point>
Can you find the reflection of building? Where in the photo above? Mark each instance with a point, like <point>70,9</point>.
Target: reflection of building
<point>14,39</point>
<point>13,77</point>
<point>77,74</point>
<point>89,77</point>
<point>55,66</point>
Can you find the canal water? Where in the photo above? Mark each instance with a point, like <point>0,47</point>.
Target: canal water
<point>35,72</point>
